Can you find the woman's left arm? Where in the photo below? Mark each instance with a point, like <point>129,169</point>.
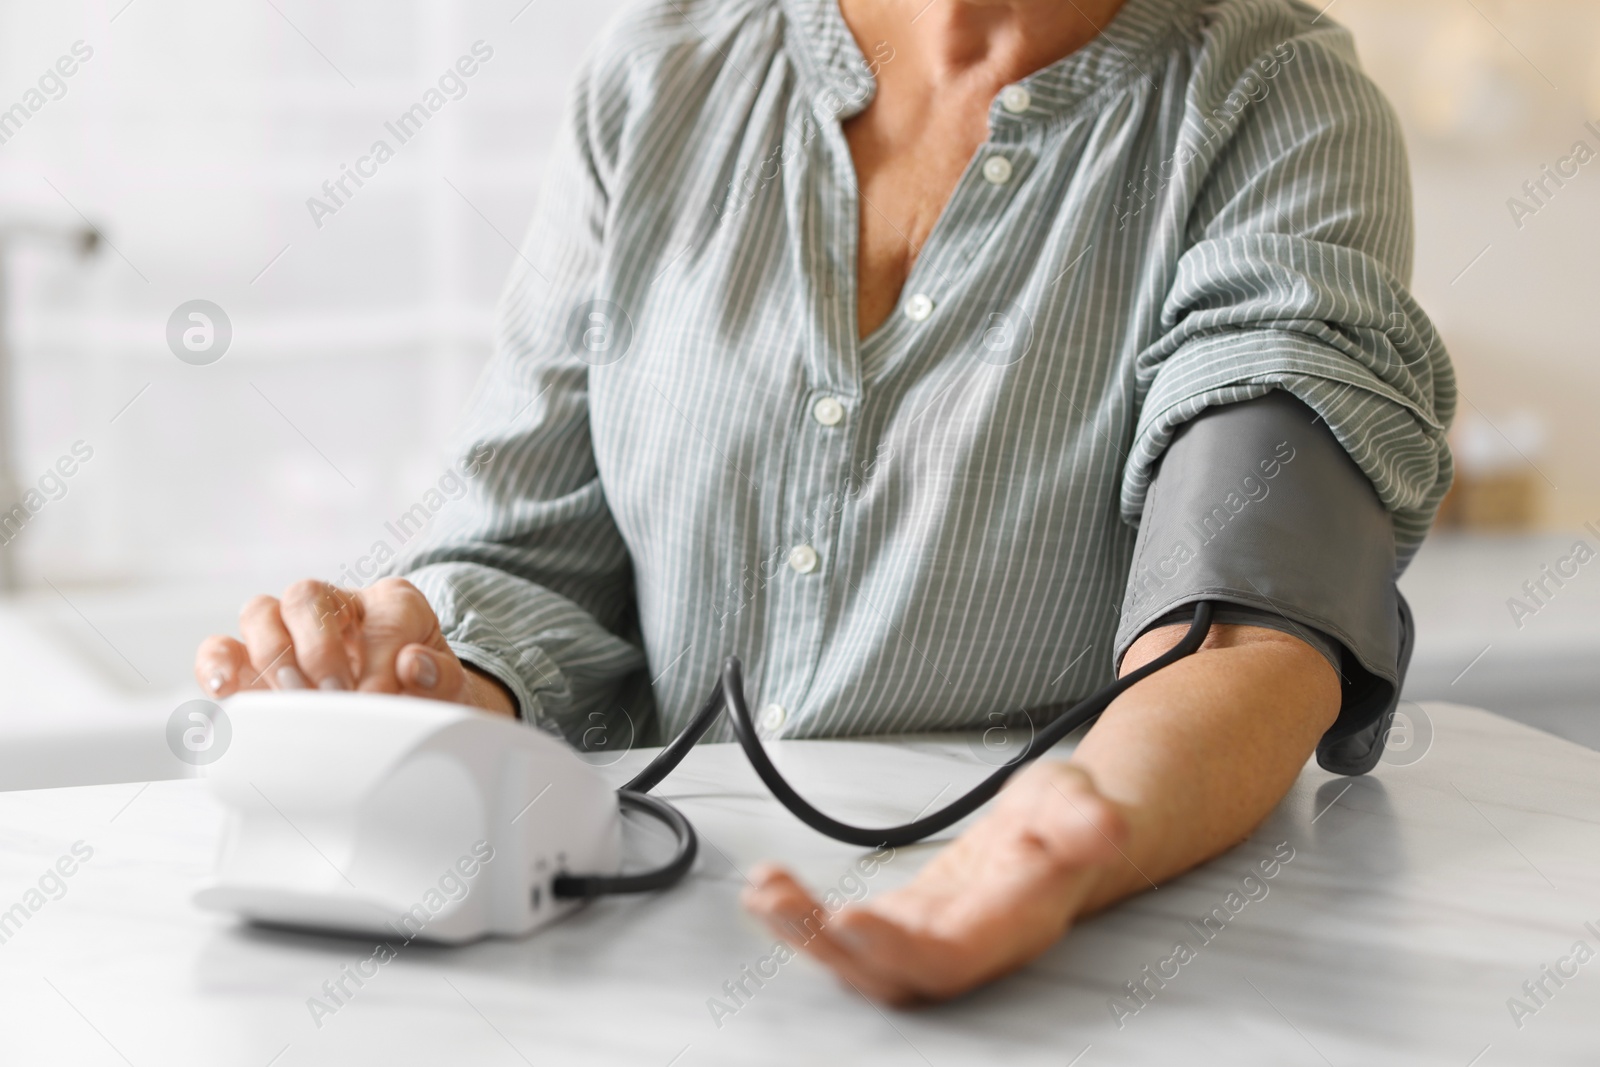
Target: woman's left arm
<point>1180,768</point>
<point>1186,763</point>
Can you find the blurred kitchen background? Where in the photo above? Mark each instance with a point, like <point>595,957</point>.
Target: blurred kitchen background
<point>190,135</point>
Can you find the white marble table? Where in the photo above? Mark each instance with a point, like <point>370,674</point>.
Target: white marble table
<point>1418,900</point>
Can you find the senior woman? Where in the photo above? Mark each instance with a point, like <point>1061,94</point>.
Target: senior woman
<point>935,357</point>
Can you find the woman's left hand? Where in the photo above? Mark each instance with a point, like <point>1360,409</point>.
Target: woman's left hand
<point>990,902</point>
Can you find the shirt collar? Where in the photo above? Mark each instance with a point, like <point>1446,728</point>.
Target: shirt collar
<point>840,80</point>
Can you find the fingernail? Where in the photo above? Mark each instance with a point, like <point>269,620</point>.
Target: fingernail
<point>424,672</point>
<point>291,678</point>
<point>332,682</point>
<point>216,681</point>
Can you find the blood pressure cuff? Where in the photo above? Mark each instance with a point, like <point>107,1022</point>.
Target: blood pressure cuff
<point>1256,507</point>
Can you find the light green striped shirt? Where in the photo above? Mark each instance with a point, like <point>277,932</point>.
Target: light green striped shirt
<point>695,456</point>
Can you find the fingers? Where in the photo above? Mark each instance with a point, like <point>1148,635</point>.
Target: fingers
<point>909,968</point>
<point>865,950</point>
<point>222,667</point>
<point>321,619</point>
<point>989,903</point>
<point>385,639</point>
<point>425,672</point>
<point>402,649</point>
<point>270,647</point>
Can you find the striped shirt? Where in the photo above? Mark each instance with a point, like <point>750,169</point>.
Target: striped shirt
<point>693,454</point>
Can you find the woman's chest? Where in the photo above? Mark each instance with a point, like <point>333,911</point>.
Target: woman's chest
<point>908,158</point>
<point>1012,295</point>
<point>835,255</point>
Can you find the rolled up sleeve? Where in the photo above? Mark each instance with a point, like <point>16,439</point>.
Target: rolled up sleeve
<point>1294,277</point>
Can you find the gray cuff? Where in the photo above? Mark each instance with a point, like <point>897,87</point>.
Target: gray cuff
<point>1255,505</point>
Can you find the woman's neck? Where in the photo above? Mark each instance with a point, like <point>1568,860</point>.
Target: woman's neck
<point>998,41</point>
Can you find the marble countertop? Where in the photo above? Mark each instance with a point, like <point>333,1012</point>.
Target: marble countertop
<point>1412,907</point>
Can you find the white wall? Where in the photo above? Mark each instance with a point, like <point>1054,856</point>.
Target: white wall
<point>193,137</point>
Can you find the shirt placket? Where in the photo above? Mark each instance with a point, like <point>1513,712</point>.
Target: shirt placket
<point>815,499</point>
<point>931,304</point>
<point>801,568</point>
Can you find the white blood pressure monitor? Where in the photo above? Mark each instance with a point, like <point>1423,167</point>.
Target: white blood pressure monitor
<point>401,817</point>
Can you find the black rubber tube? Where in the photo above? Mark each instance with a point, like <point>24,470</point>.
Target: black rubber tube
<point>667,759</point>
<point>973,799</point>
<point>729,694</point>
<point>569,886</point>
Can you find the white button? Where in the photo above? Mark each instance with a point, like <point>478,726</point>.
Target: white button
<point>997,169</point>
<point>828,411</point>
<point>772,717</point>
<point>919,307</point>
<point>1015,99</point>
<point>803,559</point>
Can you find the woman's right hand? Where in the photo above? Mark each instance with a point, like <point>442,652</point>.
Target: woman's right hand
<point>381,639</point>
